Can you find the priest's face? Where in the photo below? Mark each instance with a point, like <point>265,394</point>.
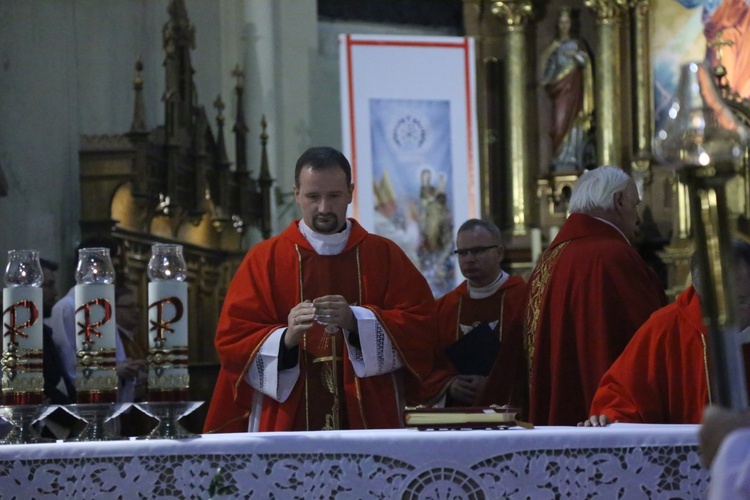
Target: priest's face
<point>479,256</point>
<point>628,217</point>
<point>323,195</point>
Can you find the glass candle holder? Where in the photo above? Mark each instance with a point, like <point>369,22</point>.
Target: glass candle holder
<point>22,359</point>
<point>96,327</point>
<point>168,378</point>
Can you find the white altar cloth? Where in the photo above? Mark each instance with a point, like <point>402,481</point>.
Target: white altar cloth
<point>619,461</point>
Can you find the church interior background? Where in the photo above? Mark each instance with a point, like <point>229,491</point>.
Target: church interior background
<point>181,120</point>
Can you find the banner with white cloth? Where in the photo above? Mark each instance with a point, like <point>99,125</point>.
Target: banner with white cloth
<point>410,132</point>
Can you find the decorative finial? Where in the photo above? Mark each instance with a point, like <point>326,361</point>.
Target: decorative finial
<point>239,75</point>
<point>139,108</point>
<point>138,79</point>
<point>219,106</point>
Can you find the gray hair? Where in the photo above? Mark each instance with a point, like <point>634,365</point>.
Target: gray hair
<point>491,228</point>
<point>595,189</point>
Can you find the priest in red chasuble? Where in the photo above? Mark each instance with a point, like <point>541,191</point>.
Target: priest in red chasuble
<point>588,295</point>
<point>321,321</point>
<point>662,376</point>
<point>489,308</point>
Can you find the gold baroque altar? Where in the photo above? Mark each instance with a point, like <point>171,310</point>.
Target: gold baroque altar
<point>515,115</point>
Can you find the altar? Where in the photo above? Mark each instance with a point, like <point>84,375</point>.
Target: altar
<point>619,461</point>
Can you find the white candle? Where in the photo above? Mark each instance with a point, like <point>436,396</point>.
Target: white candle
<point>22,340</point>
<point>96,327</point>
<point>553,230</point>
<point>168,338</point>
<point>167,314</point>
<point>536,244</point>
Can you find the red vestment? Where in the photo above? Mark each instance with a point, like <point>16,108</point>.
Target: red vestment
<point>588,295</point>
<point>662,376</point>
<point>509,384</point>
<point>279,273</point>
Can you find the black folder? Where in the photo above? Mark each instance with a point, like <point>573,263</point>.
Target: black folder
<point>475,352</point>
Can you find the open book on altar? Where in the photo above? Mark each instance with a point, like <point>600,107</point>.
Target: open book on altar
<point>461,417</point>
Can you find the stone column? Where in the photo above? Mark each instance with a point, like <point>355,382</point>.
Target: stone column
<point>608,79</point>
<point>515,14</point>
<point>644,95</point>
<point>486,31</point>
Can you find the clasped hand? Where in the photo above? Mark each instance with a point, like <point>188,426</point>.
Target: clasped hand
<point>466,388</point>
<point>301,318</point>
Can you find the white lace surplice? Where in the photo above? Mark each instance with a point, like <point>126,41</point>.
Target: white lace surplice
<point>377,356</point>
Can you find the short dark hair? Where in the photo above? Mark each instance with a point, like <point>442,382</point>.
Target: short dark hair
<point>491,228</point>
<point>48,264</point>
<point>322,157</point>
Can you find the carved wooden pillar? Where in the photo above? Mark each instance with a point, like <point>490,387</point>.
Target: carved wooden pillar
<point>644,95</point>
<point>608,76</point>
<point>514,15</point>
<point>486,30</point>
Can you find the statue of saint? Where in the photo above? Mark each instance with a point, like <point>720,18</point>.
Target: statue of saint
<point>567,78</point>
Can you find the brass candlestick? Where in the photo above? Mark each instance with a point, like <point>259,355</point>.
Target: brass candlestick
<point>704,142</point>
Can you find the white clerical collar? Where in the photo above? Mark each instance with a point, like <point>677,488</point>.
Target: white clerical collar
<point>485,291</point>
<point>618,229</point>
<point>326,244</point>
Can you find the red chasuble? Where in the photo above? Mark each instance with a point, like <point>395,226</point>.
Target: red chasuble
<point>277,274</point>
<point>504,311</point>
<point>588,295</point>
<point>662,376</point>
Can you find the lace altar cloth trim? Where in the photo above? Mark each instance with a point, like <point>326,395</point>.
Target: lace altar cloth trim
<point>635,472</point>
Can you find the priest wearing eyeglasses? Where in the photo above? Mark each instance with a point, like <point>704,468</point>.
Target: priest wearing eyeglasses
<point>480,325</point>
<point>588,295</point>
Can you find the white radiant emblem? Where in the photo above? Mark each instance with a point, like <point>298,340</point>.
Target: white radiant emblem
<point>409,133</point>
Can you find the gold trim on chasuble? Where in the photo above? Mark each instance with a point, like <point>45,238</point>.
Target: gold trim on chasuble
<point>705,366</point>
<point>537,287</point>
<point>356,379</point>
<point>329,373</point>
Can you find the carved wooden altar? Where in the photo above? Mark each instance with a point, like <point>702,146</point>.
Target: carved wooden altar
<point>174,183</point>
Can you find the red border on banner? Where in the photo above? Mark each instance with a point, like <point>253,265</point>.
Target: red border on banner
<point>464,45</point>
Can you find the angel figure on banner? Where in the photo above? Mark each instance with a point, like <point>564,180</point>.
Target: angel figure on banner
<point>437,228</point>
<point>393,223</point>
<point>568,80</point>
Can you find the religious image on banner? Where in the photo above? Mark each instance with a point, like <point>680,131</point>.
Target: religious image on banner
<point>412,183</point>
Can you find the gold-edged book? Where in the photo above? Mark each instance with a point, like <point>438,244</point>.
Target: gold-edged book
<point>460,418</point>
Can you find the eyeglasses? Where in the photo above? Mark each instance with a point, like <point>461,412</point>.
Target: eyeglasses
<point>474,251</point>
